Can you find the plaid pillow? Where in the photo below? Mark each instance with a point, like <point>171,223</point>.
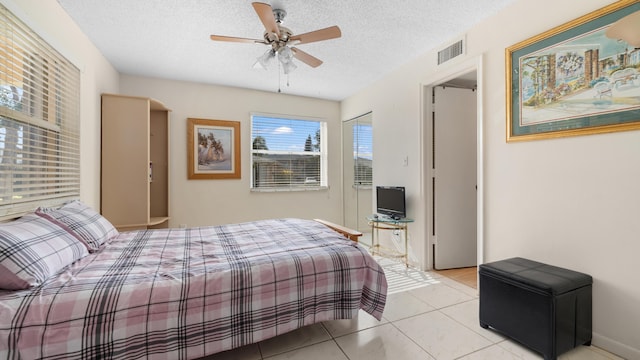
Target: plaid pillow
<point>32,249</point>
<point>91,227</point>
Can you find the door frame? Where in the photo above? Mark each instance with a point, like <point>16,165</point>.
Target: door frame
<point>426,107</point>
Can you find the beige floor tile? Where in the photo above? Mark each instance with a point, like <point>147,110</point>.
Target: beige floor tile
<point>296,339</point>
<point>343,327</point>
<point>383,342</point>
<point>403,305</point>
<point>584,353</point>
<point>327,350</point>
<point>467,313</point>
<point>440,295</point>
<point>493,352</point>
<point>460,286</point>
<point>605,353</point>
<point>441,336</point>
<point>520,350</point>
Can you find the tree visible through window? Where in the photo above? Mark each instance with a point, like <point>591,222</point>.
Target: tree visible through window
<point>287,153</point>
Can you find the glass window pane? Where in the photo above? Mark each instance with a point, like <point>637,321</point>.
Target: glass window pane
<point>287,153</point>
<point>363,154</point>
<point>39,122</point>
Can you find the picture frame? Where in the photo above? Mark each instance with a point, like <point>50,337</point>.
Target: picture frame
<point>213,149</point>
<point>575,79</point>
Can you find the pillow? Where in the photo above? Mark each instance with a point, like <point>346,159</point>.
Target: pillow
<point>91,227</point>
<point>32,249</point>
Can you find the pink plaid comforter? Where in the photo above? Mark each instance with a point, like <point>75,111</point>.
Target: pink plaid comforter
<point>188,293</point>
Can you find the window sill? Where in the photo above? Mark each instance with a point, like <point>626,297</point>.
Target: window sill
<point>362,187</point>
<point>290,189</point>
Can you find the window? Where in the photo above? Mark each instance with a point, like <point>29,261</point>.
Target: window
<point>39,122</point>
<point>362,155</point>
<point>287,154</point>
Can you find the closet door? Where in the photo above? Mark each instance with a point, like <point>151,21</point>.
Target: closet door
<point>357,150</point>
<point>135,162</point>
<point>125,160</point>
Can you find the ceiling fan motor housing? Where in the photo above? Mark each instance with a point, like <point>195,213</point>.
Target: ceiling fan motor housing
<point>279,14</point>
<point>278,42</point>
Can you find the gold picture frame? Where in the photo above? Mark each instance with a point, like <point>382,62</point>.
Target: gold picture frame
<point>575,79</point>
<point>213,149</point>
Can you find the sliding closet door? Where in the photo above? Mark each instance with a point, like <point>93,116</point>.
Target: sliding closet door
<point>357,150</point>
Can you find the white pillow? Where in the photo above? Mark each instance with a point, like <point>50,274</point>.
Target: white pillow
<point>32,249</point>
<point>91,227</point>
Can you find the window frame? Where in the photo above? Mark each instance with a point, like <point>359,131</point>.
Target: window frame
<point>322,184</point>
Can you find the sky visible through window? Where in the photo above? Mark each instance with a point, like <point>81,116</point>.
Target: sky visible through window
<point>291,135</point>
<point>284,134</point>
<point>362,141</point>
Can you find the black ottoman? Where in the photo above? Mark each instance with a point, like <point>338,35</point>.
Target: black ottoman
<point>545,308</point>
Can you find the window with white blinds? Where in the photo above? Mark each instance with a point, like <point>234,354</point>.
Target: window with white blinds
<point>363,154</point>
<point>287,154</point>
<point>39,121</point>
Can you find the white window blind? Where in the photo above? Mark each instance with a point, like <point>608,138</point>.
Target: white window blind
<point>363,154</point>
<point>287,154</point>
<point>39,121</point>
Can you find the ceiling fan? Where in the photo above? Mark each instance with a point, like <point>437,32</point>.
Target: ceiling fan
<point>282,40</point>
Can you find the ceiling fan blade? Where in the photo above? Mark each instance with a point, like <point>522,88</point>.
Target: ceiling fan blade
<point>306,58</point>
<point>235,39</point>
<point>265,13</point>
<point>318,35</point>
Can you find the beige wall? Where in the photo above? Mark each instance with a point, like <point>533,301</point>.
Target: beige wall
<point>208,202</point>
<point>51,23</point>
<point>572,202</point>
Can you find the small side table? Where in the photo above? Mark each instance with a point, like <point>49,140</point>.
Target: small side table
<point>386,223</point>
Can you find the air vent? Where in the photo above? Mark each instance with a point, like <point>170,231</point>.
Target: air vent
<point>451,51</point>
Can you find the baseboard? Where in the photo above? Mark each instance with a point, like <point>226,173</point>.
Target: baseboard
<point>615,347</point>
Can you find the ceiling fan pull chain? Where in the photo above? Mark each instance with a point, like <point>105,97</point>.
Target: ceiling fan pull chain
<point>279,77</point>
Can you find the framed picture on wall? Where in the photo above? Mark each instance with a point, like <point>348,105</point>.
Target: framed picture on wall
<point>579,78</point>
<point>213,149</point>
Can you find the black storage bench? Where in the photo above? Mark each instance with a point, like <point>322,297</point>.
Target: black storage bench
<point>545,308</point>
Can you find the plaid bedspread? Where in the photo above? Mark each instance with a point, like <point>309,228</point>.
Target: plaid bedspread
<point>188,293</point>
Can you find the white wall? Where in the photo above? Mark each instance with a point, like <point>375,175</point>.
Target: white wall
<point>395,106</point>
<point>51,23</point>
<point>571,202</point>
<point>210,202</point>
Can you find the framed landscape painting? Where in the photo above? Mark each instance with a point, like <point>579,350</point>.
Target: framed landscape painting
<point>579,78</point>
<point>213,149</point>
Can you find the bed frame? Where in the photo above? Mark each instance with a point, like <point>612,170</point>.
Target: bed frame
<point>350,234</point>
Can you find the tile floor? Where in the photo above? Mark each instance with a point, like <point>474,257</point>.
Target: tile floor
<point>427,316</point>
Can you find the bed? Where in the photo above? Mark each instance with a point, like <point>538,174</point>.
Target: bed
<point>189,293</point>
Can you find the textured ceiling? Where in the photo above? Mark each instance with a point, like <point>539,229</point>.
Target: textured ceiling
<point>170,38</point>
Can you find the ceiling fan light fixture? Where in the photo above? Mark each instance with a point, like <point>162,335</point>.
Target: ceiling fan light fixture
<point>285,55</point>
<point>262,62</point>
<point>288,67</point>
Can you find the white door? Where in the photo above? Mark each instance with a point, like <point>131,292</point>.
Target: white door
<point>454,178</point>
